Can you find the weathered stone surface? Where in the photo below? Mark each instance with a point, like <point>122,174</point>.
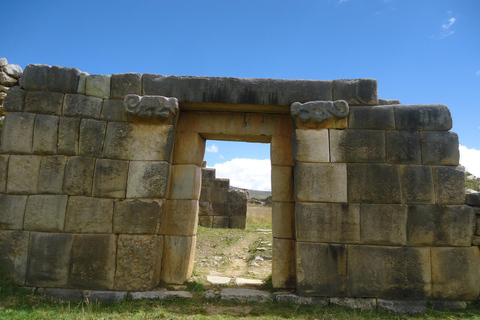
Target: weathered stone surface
<point>327,222</point>
<point>35,77</point>
<point>48,259</point>
<point>403,147</point>
<point>205,221</point>
<point>160,295</point>
<point>126,83</point>
<point>402,306</point>
<point>3,62</point>
<point>98,86</point>
<point>68,136</point>
<point>89,215</point>
<point>311,145</point>
<point>17,133</point>
<point>434,117</point>
<point>12,212</point>
<point>13,254</point>
<point>472,199</point>
<point>147,179</point>
<point>23,174</point>
<point>15,100</point>
<point>357,145</point>
<point>217,194</point>
<point>389,272</point>
<point>283,263</point>
<point>79,176</point>
<point>138,216</point>
<point>373,183</point>
<point>81,106</point>
<point>417,184</point>
<point>384,102</point>
<point>435,225</point>
<point>178,257</point>
<point>356,91</point>
<point>139,141</point>
<point>64,80</point>
<point>455,273</point>
<point>220,222</point>
<point>447,305</point>
<point>321,269</point>
<point>45,212</point>
<point>449,185</point>
<point>440,148</point>
<point>186,182</point>
<point>7,80</point>
<point>110,179</point>
<point>237,222</point>
<point>313,113</point>
<point>189,148</point>
<point>319,182</point>
<point>138,262</point>
<point>92,133</point>
<point>50,178</point>
<point>105,296</point>
<point>45,135</point>
<point>61,294</point>
<point>354,303</point>
<point>82,83</point>
<point>281,151</point>
<point>112,110</point>
<point>93,261</point>
<point>159,107</point>
<point>208,173</point>
<point>13,70</point>
<point>282,184</point>
<point>283,220</point>
<point>245,295</point>
<point>305,301</point>
<point>3,172</point>
<point>180,218</point>
<point>372,118</point>
<point>383,224</point>
<point>218,281</point>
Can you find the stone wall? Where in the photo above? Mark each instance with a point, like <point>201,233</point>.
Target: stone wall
<point>473,200</point>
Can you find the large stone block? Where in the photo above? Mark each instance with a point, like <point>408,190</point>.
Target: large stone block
<point>12,211</point>
<point>45,135</point>
<point>13,254</point>
<point>237,202</point>
<point>189,148</point>
<point>221,222</point>
<point>147,179</point>
<point>435,225</point>
<point>139,141</point>
<point>371,118</point>
<point>68,136</point>
<point>208,173</point>
<point>237,222</point>
<point>17,133</point>
<point>374,183</point>
<point>180,218</point>
<point>440,148</point>
<point>472,199</point>
<point>15,100</point>
<point>434,117</point>
<point>92,133</point>
<point>449,185</point>
<point>389,272</point>
<point>138,216</point>
<point>35,77</point>
<point>82,83</point>
<point>45,213</point>
<point>139,260</point>
<point>218,194</point>
<point>93,261</point>
<point>178,257</point>
<point>50,178</point>
<point>23,174</point>
<point>79,176</point>
<point>81,106</point>
<point>282,184</point>
<point>126,83</point>
<point>186,182</point>
<point>357,145</point>
<point>455,273</point>
<point>320,114</point>
<point>417,184</point>
<point>48,259</point>
<point>283,263</point>
<point>64,80</point>
<point>44,103</point>
<point>356,92</point>
<point>283,220</point>
<point>205,221</point>
<point>321,269</point>
<point>205,208</point>
<point>327,222</point>
<point>311,145</point>
<point>89,215</point>
<point>320,182</point>
<point>113,110</point>
<point>403,147</point>
<point>98,86</point>
<point>3,172</point>
<point>110,179</point>
<point>206,194</point>
<point>383,224</point>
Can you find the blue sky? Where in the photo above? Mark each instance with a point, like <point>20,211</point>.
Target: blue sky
<point>421,52</point>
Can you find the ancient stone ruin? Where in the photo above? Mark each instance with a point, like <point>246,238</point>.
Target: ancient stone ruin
<point>100,181</point>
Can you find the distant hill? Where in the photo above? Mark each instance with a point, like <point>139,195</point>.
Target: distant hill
<point>257,194</point>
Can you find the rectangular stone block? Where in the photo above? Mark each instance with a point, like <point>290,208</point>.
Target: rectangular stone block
<point>357,92</point>
<point>206,194</point>
<point>15,100</point>
<point>180,218</point>
<point>374,183</point>
<point>311,145</point>
<point>219,208</point>
<point>208,173</point>
<point>68,136</point>
<point>35,77</point>
<point>321,269</point>
<point>110,179</point>
<point>89,215</point>
<point>139,141</point>
<point>283,263</point>
<point>221,222</point>
<point>98,85</point>
<point>17,133</point>
<point>205,221</point>
<point>48,259</point>
<point>455,273</point>
<point>178,257</point>
<point>93,261</point>
<point>82,83</point>
<point>327,222</point>
<point>236,209</point>
<point>3,172</point>
<point>81,106</point>
<point>186,182</point>
<point>449,185</point>
<point>44,103</point>
<point>383,224</point>
<point>92,134</point>
<point>403,147</point>
<point>281,153</point>
<point>371,117</point>
<point>357,145</point>
<point>50,178</point>
<point>389,272</point>
<point>472,199</point>
<point>283,220</point>
<point>12,211</point>
<point>45,213</point>
<point>125,83</point>
<point>139,259</point>
<point>147,179</point>
<point>221,183</point>
<point>138,216</point>
<point>13,254</point>
<point>434,117</point>
<point>205,208</point>
<point>23,174</point>
<point>440,148</point>
<point>319,182</point>
<point>45,135</point>
<point>113,110</point>
<point>218,194</point>
<point>189,148</point>
<point>237,222</point>
<point>79,176</point>
<point>417,184</point>
<point>64,80</point>
<point>435,225</point>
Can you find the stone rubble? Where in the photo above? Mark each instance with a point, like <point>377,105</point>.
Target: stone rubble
<point>10,75</point>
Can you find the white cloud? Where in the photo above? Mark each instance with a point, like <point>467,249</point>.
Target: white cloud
<point>477,73</point>
<point>213,148</point>
<point>470,159</point>
<point>246,173</point>
<point>447,26</point>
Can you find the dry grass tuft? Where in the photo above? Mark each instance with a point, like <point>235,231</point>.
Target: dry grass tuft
<point>259,217</point>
